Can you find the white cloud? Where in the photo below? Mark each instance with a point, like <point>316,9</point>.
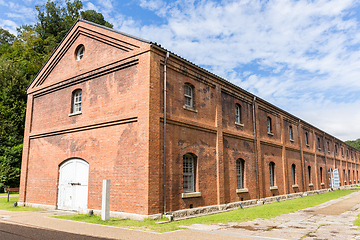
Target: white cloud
<point>295,49</point>
<point>8,25</point>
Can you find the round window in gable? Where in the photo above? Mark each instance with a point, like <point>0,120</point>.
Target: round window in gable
<point>80,50</point>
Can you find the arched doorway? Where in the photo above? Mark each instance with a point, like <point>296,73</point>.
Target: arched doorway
<point>73,185</point>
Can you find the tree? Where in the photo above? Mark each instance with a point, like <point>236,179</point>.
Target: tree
<point>354,143</point>
<point>93,16</point>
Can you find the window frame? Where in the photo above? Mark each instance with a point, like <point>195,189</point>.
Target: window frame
<point>306,138</point>
<point>240,175</point>
<point>76,101</point>
<point>293,174</point>
<point>272,174</point>
<point>188,96</point>
<point>80,52</point>
<point>189,162</point>
<point>291,135</point>
<point>321,175</point>
<point>309,174</point>
<point>269,125</point>
<point>237,113</point>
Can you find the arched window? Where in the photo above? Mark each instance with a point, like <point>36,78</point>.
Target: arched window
<point>240,167</point>
<point>269,125</point>
<point>189,172</point>
<point>293,173</point>
<point>237,113</point>
<point>272,173</point>
<point>291,133</point>
<point>80,50</point>
<point>188,94</point>
<point>309,174</point>
<point>76,101</point>
<point>321,175</point>
<point>306,138</point>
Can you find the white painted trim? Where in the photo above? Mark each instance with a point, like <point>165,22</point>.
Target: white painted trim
<point>242,190</point>
<point>191,194</point>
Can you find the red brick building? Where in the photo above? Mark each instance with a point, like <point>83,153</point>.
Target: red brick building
<point>95,111</point>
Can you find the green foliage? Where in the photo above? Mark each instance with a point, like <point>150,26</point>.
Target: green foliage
<point>354,143</point>
<point>21,57</point>
<point>239,215</point>
<point>93,16</point>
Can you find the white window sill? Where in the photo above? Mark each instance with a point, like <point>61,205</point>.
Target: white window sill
<point>319,149</point>
<point>190,109</point>
<point>242,190</point>
<point>274,188</point>
<point>322,184</point>
<point>74,114</point>
<point>328,152</point>
<point>311,185</point>
<point>307,145</point>
<point>239,124</point>
<point>292,140</point>
<point>295,186</point>
<point>191,194</point>
<point>271,134</point>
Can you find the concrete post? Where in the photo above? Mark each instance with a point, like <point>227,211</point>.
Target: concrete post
<point>105,208</point>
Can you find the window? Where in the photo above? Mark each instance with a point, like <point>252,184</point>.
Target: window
<point>344,175</point>
<point>80,50</point>
<point>269,127</point>
<point>309,174</point>
<point>357,175</point>
<point>76,99</point>
<point>188,93</point>
<point>272,174</point>
<point>328,146</point>
<point>336,149</point>
<point>349,176</point>
<point>319,146</point>
<point>293,172</point>
<point>237,113</point>
<point>354,176</point>
<point>189,172</point>
<point>291,133</point>
<point>342,152</point>
<point>321,175</point>
<point>306,138</point>
<point>240,166</point>
<point>347,153</point>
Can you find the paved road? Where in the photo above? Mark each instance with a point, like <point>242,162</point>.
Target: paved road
<point>18,232</point>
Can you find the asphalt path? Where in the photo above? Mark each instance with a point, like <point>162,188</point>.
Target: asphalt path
<point>18,232</point>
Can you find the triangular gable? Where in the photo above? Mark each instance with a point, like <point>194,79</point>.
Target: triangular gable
<point>103,46</point>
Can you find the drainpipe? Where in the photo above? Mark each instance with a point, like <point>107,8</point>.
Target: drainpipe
<point>255,143</point>
<point>301,158</point>
<point>166,59</point>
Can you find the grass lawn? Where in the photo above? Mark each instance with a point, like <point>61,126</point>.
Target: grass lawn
<point>239,215</point>
<point>5,194</point>
<point>9,206</point>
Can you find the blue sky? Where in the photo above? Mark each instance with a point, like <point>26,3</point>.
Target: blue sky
<point>302,56</point>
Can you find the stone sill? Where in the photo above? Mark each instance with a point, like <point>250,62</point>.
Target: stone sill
<point>190,109</point>
<point>191,194</point>
<point>239,124</point>
<point>74,114</point>
<point>307,145</point>
<point>311,185</point>
<point>319,149</point>
<point>295,186</point>
<point>271,134</point>
<point>292,140</point>
<point>274,188</point>
<point>242,190</point>
<point>322,184</point>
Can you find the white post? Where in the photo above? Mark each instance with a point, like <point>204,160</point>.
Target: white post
<point>105,208</point>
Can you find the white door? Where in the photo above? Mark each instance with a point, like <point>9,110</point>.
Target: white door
<point>73,185</point>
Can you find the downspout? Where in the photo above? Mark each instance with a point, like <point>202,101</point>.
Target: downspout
<point>325,152</point>
<point>166,59</point>
<point>301,158</point>
<point>255,143</point>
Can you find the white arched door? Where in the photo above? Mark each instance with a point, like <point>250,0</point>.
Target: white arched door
<point>73,185</point>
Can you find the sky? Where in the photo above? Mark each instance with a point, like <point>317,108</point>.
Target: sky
<point>302,56</point>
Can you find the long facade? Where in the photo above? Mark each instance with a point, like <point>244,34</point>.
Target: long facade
<point>95,111</point>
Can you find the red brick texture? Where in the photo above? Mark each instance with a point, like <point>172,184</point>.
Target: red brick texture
<point>120,131</point>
